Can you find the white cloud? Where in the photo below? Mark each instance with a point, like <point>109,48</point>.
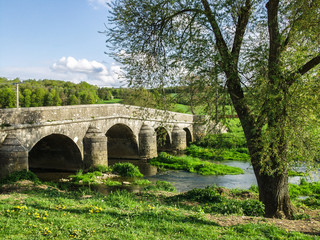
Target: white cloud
<point>69,69</point>
<point>92,72</point>
<point>96,4</point>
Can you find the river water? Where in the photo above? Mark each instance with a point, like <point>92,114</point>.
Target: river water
<point>185,181</point>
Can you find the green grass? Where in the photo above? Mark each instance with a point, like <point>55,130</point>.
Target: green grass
<point>218,154</point>
<point>181,108</point>
<point>191,164</point>
<point>126,170</point>
<point>20,175</point>
<point>307,189</point>
<point>46,212</point>
<point>161,186</point>
<point>115,100</point>
<point>212,201</point>
<point>50,214</point>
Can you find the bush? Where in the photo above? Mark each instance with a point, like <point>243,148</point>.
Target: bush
<point>228,206</point>
<point>206,195</point>
<point>240,207</point>
<point>161,186</point>
<point>111,183</point>
<point>304,189</point>
<point>252,207</point>
<point>100,168</point>
<point>223,140</point>
<point>86,178</point>
<point>126,170</point>
<point>20,175</point>
<point>141,182</point>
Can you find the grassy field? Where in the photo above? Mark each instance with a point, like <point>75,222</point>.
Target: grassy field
<point>116,100</point>
<point>41,211</point>
<point>31,209</point>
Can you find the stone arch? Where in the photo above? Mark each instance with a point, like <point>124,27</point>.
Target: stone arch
<point>188,135</point>
<point>122,143</point>
<point>163,139</point>
<point>55,152</point>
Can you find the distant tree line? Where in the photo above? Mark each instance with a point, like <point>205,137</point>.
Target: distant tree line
<point>37,93</point>
<point>33,93</point>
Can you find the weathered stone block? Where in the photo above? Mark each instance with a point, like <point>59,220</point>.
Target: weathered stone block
<point>95,148</point>
<point>147,142</point>
<point>13,156</point>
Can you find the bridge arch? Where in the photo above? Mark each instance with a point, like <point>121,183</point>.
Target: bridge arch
<point>163,139</point>
<point>55,152</point>
<point>188,135</point>
<point>122,142</point>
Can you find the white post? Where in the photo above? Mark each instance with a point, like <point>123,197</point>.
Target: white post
<point>17,91</point>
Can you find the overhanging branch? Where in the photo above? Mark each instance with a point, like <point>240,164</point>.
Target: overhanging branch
<point>304,69</point>
<point>309,65</point>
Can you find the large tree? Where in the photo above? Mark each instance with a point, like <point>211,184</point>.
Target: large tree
<point>266,53</point>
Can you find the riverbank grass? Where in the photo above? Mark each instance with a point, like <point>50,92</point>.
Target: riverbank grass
<point>195,165</point>
<point>44,212</point>
<point>218,154</point>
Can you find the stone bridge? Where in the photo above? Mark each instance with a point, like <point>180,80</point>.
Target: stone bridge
<point>75,137</point>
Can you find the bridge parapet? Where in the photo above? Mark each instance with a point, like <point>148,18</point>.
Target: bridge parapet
<point>37,115</point>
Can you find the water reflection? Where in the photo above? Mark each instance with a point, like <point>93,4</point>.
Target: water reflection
<point>185,181</point>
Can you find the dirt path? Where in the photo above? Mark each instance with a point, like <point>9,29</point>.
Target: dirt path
<point>308,226</point>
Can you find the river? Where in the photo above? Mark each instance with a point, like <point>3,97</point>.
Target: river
<point>185,181</point>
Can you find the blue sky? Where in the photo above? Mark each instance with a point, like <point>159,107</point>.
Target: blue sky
<point>56,39</point>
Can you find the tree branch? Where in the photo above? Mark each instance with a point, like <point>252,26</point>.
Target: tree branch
<point>220,42</point>
<point>309,65</point>
<point>242,23</point>
<point>274,38</point>
<point>304,69</point>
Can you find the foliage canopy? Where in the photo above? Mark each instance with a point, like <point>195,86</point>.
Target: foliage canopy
<point>265,53</point>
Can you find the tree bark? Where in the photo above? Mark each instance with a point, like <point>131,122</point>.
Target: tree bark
<point>274,193</point>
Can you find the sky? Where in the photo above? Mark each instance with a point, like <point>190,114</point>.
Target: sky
<point>56,39</point>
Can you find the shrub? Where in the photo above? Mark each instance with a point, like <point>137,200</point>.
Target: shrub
<point>218,154</point>
<point>252,207</point>
<point>161,186</point>
<point>304,189</point>
<point>141,182</point>
<point>206,195</point>
<point>86,178</point>
<point>254,188</point>
<point>249,207</point>
<point>223,140</point>
<point>100,168</point>
<point>20,175</point>
<point>111,183</point>
<point>226,207</point>
<point>126,170</point>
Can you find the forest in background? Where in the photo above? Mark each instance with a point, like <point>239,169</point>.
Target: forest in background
<point>37,93</point>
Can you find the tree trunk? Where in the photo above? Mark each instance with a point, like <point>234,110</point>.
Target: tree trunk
<point>273,190</point>
<point>274,193</point>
